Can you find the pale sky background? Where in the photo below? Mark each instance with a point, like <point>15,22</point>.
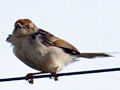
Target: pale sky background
<point>90,25</point>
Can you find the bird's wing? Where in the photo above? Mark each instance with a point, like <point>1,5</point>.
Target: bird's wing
<point>49,39</point>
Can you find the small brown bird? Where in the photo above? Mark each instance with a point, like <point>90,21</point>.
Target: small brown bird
<point>42,50</point>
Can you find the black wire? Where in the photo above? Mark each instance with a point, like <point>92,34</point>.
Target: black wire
<point>64,74</point>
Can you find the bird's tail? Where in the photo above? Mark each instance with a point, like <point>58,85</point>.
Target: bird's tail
<point>94,55</point>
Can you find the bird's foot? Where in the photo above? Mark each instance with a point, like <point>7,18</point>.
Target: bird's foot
<point>29,77</point>
<point>54,76</point>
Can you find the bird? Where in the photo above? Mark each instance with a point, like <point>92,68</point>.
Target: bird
<point>43,51</point>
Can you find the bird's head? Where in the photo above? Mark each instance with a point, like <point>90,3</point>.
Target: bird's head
<point>24,27</point>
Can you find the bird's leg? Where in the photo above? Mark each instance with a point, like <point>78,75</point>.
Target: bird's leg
<point>54,75</point>
<point>29,77</point>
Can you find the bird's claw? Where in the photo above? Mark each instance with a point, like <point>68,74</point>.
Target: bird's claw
<point>54,76</point>
<point>29,78</point>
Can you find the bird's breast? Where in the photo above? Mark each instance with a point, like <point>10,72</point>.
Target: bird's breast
<point>40,57</point>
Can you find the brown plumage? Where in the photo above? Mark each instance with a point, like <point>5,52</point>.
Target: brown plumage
<point>94,55</point>
<point>42,50</point>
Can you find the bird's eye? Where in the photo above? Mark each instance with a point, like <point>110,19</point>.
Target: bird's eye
<point>28,27</point>
<point>16,26</point>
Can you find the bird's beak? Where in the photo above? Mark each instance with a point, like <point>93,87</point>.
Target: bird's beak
<point>20,25</point>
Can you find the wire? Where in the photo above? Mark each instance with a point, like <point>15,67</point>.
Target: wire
<point>64,74</point>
